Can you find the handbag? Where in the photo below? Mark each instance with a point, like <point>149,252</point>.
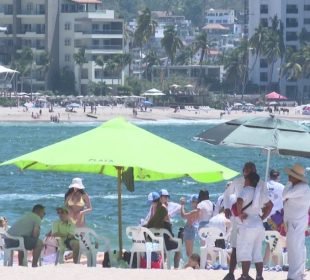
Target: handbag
<point>234,208</point>
<point>277,217</point>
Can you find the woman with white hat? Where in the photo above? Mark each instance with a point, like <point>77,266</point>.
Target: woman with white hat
<point>78,202</point>
<point>296,197</point>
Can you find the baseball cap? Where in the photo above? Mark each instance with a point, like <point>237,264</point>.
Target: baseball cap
<point>164,192</point>
<point>194,197</point>
<point>153,197</point>
<point>274,173</point>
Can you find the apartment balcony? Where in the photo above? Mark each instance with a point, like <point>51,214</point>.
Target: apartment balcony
<point>97,35</point>
<point>30,35</point>
<point>37,13</point>
<point>101,49</point>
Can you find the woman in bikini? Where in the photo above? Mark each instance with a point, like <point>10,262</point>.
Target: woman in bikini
<point>78,202</point>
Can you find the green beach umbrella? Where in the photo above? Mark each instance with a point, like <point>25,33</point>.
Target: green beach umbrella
<point>270,133</point>
<point>118,146</point>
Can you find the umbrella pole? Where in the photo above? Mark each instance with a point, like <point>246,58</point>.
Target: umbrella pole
<point>267,165</point>
<point>119,198</point>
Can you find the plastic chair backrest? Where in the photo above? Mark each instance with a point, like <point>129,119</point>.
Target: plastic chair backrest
<point>89,239</point>
<point>210,234</point>
<point>139,235</point>
<point>273,239</point>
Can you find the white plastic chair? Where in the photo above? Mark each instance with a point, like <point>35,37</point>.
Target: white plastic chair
<point>142,244</point>
<point>89,244</point>
<point>160,232</point>
<point>209,235</point>
<point>8,252</point>
<point>276,244</point>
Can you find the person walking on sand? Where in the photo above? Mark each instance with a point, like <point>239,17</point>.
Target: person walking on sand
<point>296,197</point>
<point>78,202</point>
<point>233,190</point>
<point>28,226</point>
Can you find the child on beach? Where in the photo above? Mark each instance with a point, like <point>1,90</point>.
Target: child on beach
<point>193,262</point>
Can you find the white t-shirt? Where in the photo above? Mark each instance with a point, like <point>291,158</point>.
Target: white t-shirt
<point>219,204</point>
<point>275,191</point>
<point>206,210</point>
<point>296,202</point>
<point>253,219</point>
<point>234,190</point>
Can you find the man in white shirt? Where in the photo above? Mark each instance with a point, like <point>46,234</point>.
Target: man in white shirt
<point>234,190</point>
<point>275,190</point>
<point>296,197</point>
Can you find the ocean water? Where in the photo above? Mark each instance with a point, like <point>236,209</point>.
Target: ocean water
<point>19,191</point>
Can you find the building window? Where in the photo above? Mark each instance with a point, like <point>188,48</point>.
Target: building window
<point>264,22</point>
<point>67,26</point>
<point>291,36</point>
<point>263,63</point>
<point>307,7</point>
<point>264,9</point>
<point>263,76</point>
<point>291,22</point>
<point>67,42</point>
<point>67,58</point>
<point>306,20</point>
<point>29,7</point>
<point>291,9</point>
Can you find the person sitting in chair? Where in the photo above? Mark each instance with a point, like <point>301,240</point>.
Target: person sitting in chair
<point>28,226</point>
<point>65,229</point>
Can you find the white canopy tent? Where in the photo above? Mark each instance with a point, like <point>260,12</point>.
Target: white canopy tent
<point>153,92</point>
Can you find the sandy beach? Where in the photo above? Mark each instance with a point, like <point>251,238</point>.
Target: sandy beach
<point>18,114</point>
<point>80,272</point>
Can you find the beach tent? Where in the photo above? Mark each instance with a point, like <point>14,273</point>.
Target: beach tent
<point>153,92</point>
<point>117,148</point>
<point>275,96</point>
<point>6,70</point>
<point>269,133</point>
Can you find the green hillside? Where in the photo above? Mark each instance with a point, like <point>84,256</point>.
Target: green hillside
<point>192,9</point>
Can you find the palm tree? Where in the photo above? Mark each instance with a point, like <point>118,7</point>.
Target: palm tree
<point>151,59</point>
<point>297,66</point>
<point>236,68</point>
<point>122,60</point>
<point>111,67</point>
<point>257,41</point>
<point>80,59</point>
<point>202,43</point>
<point>100,62</point>
<point>274,47</point>
<point>45,63</point>
<point>145,30</point>
<point>23,64</point>
<point>171,42</point>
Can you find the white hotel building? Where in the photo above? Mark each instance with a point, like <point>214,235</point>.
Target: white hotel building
<point>62,27</point>
<point>295,15</point>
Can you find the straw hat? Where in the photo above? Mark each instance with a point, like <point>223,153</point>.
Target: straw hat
<point>297,171</point>
<point>77,183</point>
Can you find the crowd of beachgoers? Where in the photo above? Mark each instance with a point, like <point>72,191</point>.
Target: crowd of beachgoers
<point>252,222</point>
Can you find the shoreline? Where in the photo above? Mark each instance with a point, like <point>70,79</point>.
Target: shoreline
<point>163,114</point>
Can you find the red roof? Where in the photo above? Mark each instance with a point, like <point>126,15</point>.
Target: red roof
<point>87,1</point>
<point>215,26</point>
